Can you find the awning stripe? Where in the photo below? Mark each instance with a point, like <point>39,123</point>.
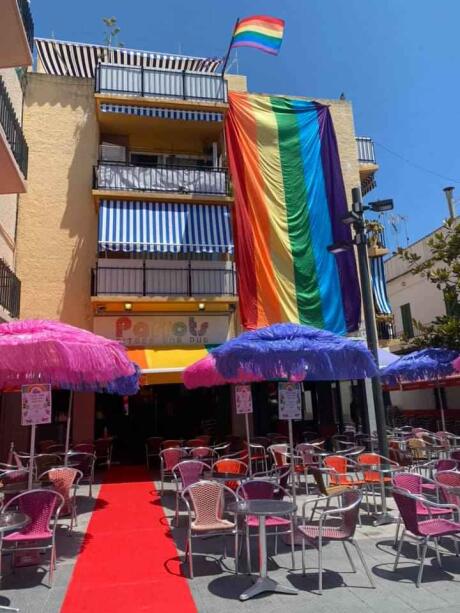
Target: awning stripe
<point>165,364</point>
<point>164,227</point>
<point>382,304</point>
<point>80,60</point>
<point>174,114</point>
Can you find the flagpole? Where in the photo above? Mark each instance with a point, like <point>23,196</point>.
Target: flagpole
<point>230,47</point>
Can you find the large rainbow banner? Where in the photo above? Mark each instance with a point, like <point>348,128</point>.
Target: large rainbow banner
<point>289,202</point>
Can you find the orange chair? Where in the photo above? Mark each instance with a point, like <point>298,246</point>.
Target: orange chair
<point>373,478</point>
<point>230,465</point>
<point>343,471</point>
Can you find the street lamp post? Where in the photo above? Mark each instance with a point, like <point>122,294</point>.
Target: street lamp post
<point>356,219</point>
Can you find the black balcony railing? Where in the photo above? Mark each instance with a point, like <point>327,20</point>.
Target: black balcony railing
<point>181,179</point>
<point>159,83</point>
<point>24,9</point>
<point>366,153</point>
<point>10,290</point>
<point>386,330</point>
<point>13,130</point>
<point>163,281</point>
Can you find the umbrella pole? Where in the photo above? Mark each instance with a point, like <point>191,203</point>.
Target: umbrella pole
<point>32,456</point>
<point>291,446</point>
<point>69,421</point>
<point>441,408</point>
<point>248,439</point>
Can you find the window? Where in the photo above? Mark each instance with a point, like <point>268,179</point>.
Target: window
<point>406,316</point>
<point>452,304</point>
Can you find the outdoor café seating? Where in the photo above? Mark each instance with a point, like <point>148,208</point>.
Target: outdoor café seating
<point>85,463</point>
<point>42,507</point>
<point>204,503</point>
<point>65,481</point>
<point>169,458</point>
<point>319,533</point>
<point>152,449</point>
<point>186,473</point>
<point>206,454</point>
<point>422,532</point>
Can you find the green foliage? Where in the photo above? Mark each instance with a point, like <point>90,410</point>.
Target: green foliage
<point>442,269</point>
<point>112,32</point>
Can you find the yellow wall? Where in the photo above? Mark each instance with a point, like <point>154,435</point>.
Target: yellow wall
<point>57,229</point>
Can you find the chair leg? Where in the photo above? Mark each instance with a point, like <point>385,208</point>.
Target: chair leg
<point>398,553</point>
<point>398,525</point>
<point>190,556</point>
<point>422,562</point>
<point>276,540</point>
<point>162,482</point>
<point>248,550</point>
<point>438,555</point>
<point>313,510</point>
<point>320,565</point>
<point>363,562</point>
<point>236,550</point>
<point>352,564</point>
<point>292,545</point>
<point>303,556</point>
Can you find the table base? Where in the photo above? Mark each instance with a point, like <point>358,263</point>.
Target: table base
<point>266,584</point>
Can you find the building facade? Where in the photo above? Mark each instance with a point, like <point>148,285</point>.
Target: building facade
<point>16,46</point>
<point>126,226</point>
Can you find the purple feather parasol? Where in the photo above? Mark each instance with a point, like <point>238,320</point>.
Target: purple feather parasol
<point>430,364</point>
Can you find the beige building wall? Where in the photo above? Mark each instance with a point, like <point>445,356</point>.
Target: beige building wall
<point>8,202</point>
<point>57,225</point>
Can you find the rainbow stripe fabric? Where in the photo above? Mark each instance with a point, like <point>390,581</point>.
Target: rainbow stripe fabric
<point>289,201</point>
<point>261,32</point>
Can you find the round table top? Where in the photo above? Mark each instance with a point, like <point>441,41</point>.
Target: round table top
<point>263,507</point>
<point>13,520</point>
<point>214,476</point>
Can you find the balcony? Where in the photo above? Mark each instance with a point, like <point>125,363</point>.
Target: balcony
<point>13,148</point>
<point>367,163</point>
<point>174,85</point>
<point>10,290</point>
<point>149,278</point>
<point>16,34</point>
<point>206,181</point>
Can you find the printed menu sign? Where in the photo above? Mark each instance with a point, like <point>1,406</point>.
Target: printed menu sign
<point>243,399</point>
<point>289,401</point>
<point>36,404</point>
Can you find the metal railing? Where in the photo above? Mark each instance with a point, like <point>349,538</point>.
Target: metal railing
<point>27,20</point>
<point>156,82</point>
<point>13,130</point>
<point>366,153</point>
<point>182,179</point>
<point>163,281</point>
<point>10,290</point>
<point>386,330</point>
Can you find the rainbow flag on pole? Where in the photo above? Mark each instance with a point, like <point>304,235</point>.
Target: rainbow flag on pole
<point>261,32</point>
<point>289,201</point>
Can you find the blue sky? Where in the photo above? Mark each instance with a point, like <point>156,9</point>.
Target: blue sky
<point>396,60</point>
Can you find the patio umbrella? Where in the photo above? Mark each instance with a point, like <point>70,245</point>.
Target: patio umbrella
<point>282,351</point>
<point>65,357</point>
<point>427,364</point>
<point>456,364</point>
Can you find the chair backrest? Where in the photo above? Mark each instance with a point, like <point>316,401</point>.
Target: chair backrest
<point>205,439</point>
<point>339,464</point>
<point>278,452</point>
<point>230,465</point>
<point>417,447</point>
<point>262,440</point>
<point>202,452</point>
<point>39,505</point>
<point>207,499</point>
<point>16,475</point>
<point>43,445</point>
<point>189,471</point>
<point>84,462</point>
<point>45,461</point>
<point>407,506</point>
<point>153,444</point>
<point>171,442</point>
<point>171,456</point>
<point>450,486</point>
<point>194,442</point>
<point>349,511</point>
<point>412,482</point>
<point>56,448</point>
<point>307,452</point>
<point>372,459</point>
<point>319,480</point>
<point>62,479</point>
<point>84,447</point>
<point>445,464</point>
<point>257,489</point>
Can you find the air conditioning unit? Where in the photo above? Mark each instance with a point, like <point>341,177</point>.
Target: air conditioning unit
<point>112,153</point>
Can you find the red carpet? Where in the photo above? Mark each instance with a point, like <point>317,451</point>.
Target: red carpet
<point>128,561</point>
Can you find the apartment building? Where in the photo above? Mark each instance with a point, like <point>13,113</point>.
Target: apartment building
<point>16,46</point>
<point>126,228</point>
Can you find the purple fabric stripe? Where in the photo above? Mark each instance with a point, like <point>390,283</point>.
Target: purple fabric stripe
<point>337,203</point>
<point>259,46</point>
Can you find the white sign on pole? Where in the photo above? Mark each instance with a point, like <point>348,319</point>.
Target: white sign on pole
<point>289,401</point>
<point>36,404</point>
<point>243,399</point>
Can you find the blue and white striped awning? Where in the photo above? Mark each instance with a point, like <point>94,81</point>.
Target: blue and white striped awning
<point>382,304</point>
<point>159,227</point>
<point>174,114</point>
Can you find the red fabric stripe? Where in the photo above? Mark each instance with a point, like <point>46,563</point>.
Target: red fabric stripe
<point>128,560</point>
<point>269,21</point>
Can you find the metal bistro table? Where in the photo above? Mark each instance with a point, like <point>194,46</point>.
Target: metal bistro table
<point>262,509</point>
<point>12,521</point>
<point>215,476</point>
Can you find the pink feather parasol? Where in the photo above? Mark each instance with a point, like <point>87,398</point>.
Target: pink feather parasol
<point>456,364</point>
<point>33,351</point>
